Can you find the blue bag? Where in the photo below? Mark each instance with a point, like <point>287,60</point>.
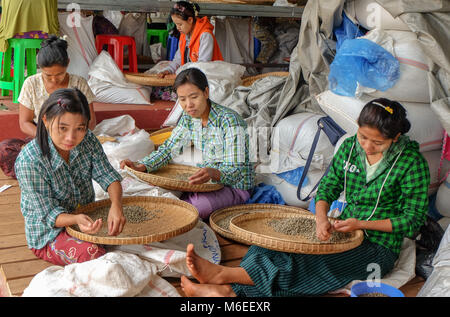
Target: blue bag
<point>334,132</point>
<point>346,31</point>
<point>364,62</point>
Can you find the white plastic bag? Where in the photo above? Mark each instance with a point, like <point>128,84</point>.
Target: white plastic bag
<point>133,146</point>
<point>117,126</point>
<point>109,84</point>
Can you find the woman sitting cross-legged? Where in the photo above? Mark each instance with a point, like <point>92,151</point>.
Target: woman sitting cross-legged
<point>385,180</point>
<point>219,133</point>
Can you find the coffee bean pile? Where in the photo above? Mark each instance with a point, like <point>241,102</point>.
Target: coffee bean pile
<point>183,177</point>
<point>133,214</point>
<point>306,228</point>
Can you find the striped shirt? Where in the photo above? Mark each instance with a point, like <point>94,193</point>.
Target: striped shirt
<point>224,144</point>
<point>50,187</point>
<point>403,199</point>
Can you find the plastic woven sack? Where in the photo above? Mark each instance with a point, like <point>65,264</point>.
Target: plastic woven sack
<point>364,62</point>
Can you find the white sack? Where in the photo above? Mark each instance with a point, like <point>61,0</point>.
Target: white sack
<point>112,275</point>
<point>115,17</point>
<point>444,222</point>
<point>433,159</point>
<point>413,82</point>
<point>340,141</point>
<point>289,191</point>
<point>291,143</point>
<point>371,15</point>
<point>425,126</point>
<point>438,283</point>
<point>109,84</point>
<point>222,77</point>
<point>443,198</point>
<point>81,42</point>
<point>169,256</point>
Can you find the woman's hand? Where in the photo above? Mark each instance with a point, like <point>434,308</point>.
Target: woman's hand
<point>347,225</point>
<point>323,229</point>
<point>87,225</point>
<point>163,74</point>
<point>136,166</point>
<point>116,220</point>
<point>204,175</point>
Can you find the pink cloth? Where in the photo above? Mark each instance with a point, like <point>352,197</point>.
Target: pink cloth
<point>65,249</point>
<point>208,202</point>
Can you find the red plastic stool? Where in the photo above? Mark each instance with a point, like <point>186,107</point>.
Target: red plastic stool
<point>116,44</point>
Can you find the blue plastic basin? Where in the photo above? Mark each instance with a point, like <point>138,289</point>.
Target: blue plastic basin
<point>373,287</point>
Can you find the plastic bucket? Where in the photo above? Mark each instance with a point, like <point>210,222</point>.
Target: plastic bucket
<point>374,287</point>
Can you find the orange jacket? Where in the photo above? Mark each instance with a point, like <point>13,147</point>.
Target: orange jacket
<point>201,25</point>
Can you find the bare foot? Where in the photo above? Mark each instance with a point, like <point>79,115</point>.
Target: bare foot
<point>192,289</point>
<point>203,270</point>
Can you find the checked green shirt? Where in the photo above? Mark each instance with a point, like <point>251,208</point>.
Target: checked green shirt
<point>51,187</point>
<point>403,200</point>
<point>224,144</point>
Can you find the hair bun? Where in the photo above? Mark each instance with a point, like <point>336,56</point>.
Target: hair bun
<point>54,40</point>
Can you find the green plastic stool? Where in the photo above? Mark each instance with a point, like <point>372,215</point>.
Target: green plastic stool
<point>22,48</point>
<point>162,36</point>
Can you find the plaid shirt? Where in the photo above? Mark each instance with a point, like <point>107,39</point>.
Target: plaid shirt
<point>224,144</point>
<point>51,187</point>
<point>403,200</point>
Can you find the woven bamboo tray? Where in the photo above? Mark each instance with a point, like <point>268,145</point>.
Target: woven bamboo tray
<point>149,79</point>
<point>220,219</point>
<point>248,81</point>
<point>254,229</point>
<point>173,217</point>
<point>166,177</point>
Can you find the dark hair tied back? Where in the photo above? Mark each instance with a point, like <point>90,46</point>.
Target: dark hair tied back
<point>53,51</point>
<point>185,10</point>
<point>192,76</point>
<point>388,116</point>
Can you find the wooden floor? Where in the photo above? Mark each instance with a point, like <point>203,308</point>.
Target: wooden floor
<point>20,265</point>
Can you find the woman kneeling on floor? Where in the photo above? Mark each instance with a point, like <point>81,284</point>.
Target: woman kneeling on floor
<point>219,133</point>
<point>55,172</point>
<point>385,179</point>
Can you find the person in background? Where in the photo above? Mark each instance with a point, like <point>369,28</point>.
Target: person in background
<point>53,61</point>
<point>219,133</point>
<point>385,179</point>
<point>55,172</point>
<point>197,42</point>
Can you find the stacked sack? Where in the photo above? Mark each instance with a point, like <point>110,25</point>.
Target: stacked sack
<point>410,89</point>
<point>291,143</point>
<point>442,203</point>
